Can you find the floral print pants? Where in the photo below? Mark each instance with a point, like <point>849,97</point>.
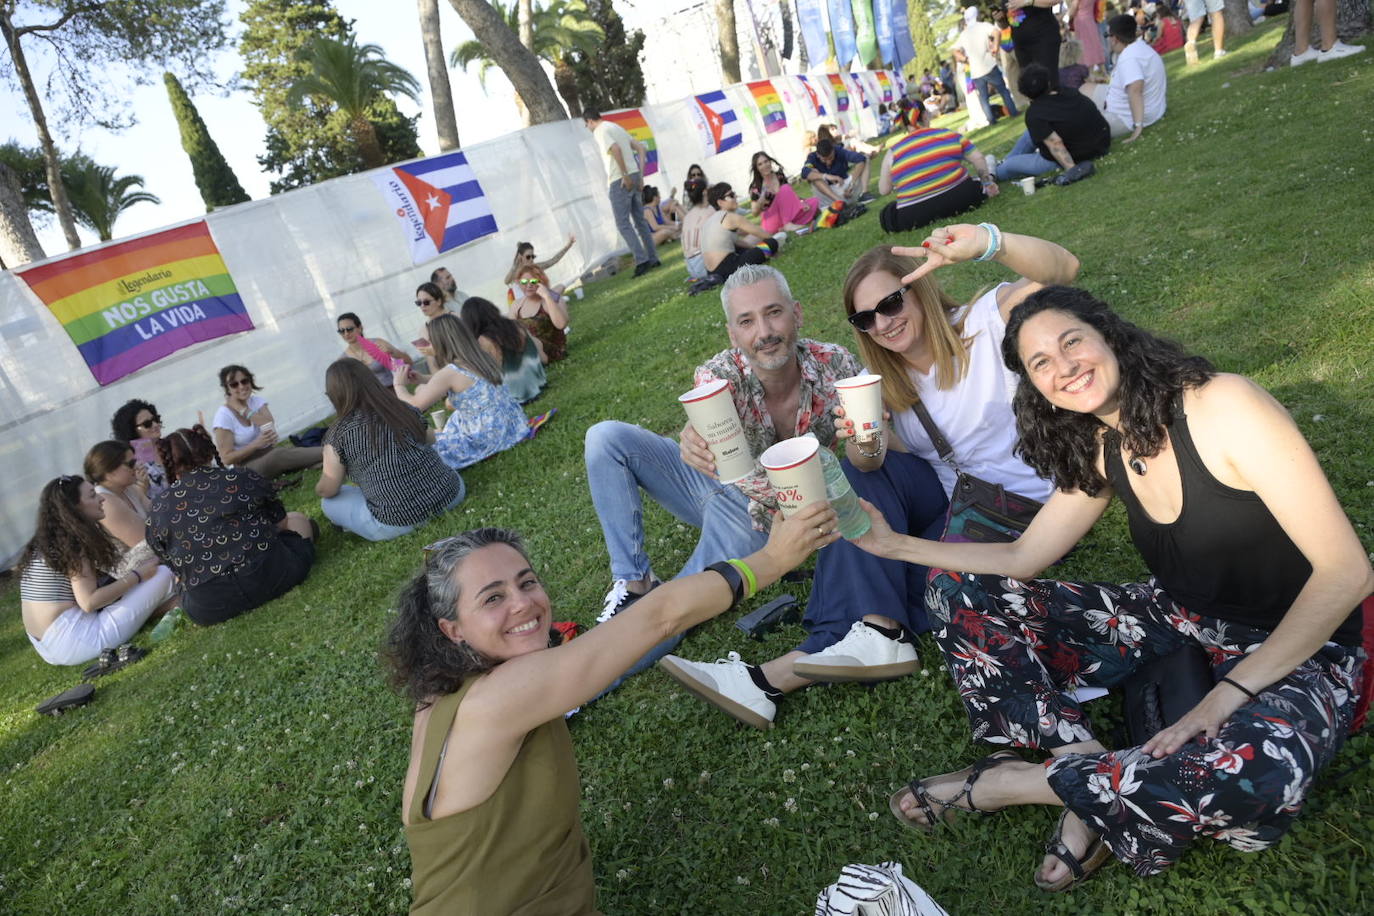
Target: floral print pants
<point>1014,648</point>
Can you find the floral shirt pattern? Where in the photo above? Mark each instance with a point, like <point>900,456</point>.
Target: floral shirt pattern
<point>822,364</point>
<point>214,522</point>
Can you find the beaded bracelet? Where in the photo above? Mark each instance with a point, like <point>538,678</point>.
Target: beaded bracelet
<point>994,242</point>
<point>749,578</point>
<point>1241,687</point>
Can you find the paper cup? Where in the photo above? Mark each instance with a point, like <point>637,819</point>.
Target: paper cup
<point>438,417</point>
<point>795,471</point>
<point>268,427</point>
<point>862,399</point>
<point>711,411</point>
<point>1027,186</point>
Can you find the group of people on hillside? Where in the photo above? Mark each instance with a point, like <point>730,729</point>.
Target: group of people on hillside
<point>1037,388</point>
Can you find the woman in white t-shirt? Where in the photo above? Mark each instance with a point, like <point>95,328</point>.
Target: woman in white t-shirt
<point>931,349</point>
<point>246,434</point>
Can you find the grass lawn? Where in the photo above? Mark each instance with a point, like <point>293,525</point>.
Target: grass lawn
<point>257,766</point>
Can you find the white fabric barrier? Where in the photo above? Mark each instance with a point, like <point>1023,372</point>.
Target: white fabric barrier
<point>301,258</point>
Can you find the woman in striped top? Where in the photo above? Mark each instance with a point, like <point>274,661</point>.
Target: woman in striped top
<point>926,169</point>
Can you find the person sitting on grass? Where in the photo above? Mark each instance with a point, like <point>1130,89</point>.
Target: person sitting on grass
<point>136,420</point>
<point>725,245</point>
<point>490,801</point>
<point>232,543</point>
<point>1169,31</point>
<point>516,350</point>
<point>827,168</point>
<point>485,418</point>
<point>111,468</point>
<point>543,312</point>
<point>246,433</point>
<point>1063,128</point>
<point>379,443</point>
<point>1137,95</point>
<point>447,284</point>
<point>1251,559</point>
<point>72,613</point>
<point>698,212</point>
<point>665,217</point>
<point>373,352</point>
<point>774,202</point>
<point>926,170</point>
<point>525,257</point>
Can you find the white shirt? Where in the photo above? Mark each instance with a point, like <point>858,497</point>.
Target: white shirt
<point>1137,61</point>
<point>974,40</point>
<point>226,419</point>
<point>975,415</point>
<point>608,135</point>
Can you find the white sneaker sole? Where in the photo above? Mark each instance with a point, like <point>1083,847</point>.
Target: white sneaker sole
<point>737,711</point>
<point>844,674</point>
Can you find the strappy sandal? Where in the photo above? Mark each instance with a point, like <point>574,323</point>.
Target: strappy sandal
<point>79,695</point>
<point>111,660</point>
<point>1094,857</point>
<point>949,807</point>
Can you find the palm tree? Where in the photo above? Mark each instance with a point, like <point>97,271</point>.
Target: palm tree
<point>564,26</point>
<point>98,196</point>
<point>353,77</point>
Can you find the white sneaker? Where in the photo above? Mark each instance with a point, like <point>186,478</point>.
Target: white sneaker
<point>863,655</point>
<point>620,597</point>
<point>725,684</point>
<point>992,165</point>
<point>1218,55</point>
<point>1297,60</point>
<point>1338,50</point>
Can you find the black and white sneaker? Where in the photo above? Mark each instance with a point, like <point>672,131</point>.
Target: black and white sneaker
<point>620,597</point>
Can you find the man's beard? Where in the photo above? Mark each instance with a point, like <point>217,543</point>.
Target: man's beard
<point>784,355</point>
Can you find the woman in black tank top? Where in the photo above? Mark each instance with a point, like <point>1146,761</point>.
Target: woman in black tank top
<point>1251,558</point>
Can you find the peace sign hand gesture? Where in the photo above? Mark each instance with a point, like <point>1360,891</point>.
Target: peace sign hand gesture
<point>947,245</point>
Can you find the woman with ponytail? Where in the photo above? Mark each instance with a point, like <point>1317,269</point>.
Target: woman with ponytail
<point>224,531</point>
<point>491,794</point>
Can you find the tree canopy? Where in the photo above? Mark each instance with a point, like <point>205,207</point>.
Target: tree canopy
<point>218,184</point>
<point>609,76</point>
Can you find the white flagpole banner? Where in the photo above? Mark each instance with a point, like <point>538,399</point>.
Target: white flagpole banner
<point>438,203</point>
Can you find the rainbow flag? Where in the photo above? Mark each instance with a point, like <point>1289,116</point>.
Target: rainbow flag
<point>770,105</point>
<point>816,104</point>
<point>841,93</point>
<point>128,305</point>
<point>632,119</point>
<point>885,84</point>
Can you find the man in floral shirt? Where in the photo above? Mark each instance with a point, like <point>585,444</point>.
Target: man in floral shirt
<point>782,386</point>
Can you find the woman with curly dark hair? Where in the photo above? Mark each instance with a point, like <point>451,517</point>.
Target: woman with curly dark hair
<point>72,612</point>
<point>246,432</point>
<point>1252,560</point>
<point>490,803</point>
<point>138,423</point>
<point>230,540</point>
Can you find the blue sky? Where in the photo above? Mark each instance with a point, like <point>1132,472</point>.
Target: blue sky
<point>152,147</point>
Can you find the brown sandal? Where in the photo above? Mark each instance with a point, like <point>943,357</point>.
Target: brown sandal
<point>949,807</point>
<point>1094,857</point>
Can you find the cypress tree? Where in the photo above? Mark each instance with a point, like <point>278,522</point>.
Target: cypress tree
<point>219,186</point>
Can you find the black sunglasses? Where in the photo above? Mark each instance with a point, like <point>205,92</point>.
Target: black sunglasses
<point>346,330</point>
<point>888,306</point>
<point>421,303</point>
<point>149,423</point>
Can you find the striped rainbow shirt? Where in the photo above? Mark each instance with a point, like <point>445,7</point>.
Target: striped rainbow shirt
<point>926,162</point>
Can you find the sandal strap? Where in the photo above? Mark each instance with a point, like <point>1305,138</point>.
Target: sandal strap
<point>1061,852</point>
<point>980,767</point>
<point>923,798</point>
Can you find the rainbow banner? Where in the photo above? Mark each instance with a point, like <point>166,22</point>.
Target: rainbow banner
<point>128,305</point>
<point>841,93</point>
<point>633,121</point>
<point>885,84</point>
<point>816,104</point>
<point>770,106</point>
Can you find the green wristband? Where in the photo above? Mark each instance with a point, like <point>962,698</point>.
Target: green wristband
<point>750,579</point>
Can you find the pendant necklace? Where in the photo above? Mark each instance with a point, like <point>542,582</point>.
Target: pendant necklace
<point>1137,464</point>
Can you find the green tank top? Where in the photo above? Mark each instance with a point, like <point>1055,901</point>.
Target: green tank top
<point>520,852</point>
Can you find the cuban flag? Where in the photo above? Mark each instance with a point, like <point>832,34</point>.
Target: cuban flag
<point>438,203</point>
<point>720,129</point>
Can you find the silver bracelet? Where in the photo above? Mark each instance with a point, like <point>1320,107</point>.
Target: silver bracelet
<point>877,451</point>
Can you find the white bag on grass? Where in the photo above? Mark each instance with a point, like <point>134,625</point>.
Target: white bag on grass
<point>876,890</point>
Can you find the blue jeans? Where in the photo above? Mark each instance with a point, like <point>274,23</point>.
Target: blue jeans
<point>348,509</point>
<point>622,460</point>
<point>628,209</point>
<point>994,79</point>
<point>851,582</point>
<point>1024,161</point>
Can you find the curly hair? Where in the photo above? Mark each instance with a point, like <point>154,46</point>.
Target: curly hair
<point>64,537</point>
<point>122,424</point>
<point>1061,444</point>
<point>185,450</point>
<point>424,663</point>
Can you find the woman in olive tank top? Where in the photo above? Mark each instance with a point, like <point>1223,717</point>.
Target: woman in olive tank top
<point>1251,557</point>
<point>491,794</point>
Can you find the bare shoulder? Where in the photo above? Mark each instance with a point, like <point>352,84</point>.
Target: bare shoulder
<point>1231,401</point>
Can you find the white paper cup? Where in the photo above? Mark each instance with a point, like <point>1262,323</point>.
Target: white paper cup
<point>794,469</point>
<point>711,411</point>
<point>1027,186</point>
<point>268,427</point>
<point>438,417</point>
<point>862,399</point>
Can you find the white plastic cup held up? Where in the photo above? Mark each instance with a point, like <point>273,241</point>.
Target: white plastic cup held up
<point>711,411</point>
<point>794,469</point>
<point>862,399</point>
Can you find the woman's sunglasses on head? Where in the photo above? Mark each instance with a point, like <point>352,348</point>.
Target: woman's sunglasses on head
<point>888,306</point>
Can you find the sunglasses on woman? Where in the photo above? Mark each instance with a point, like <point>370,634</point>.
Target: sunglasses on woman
<point>241,383</point>
<point>347,330</point>
<point>421,303</point>
<point>149,423</point>
<point>889,306</point>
